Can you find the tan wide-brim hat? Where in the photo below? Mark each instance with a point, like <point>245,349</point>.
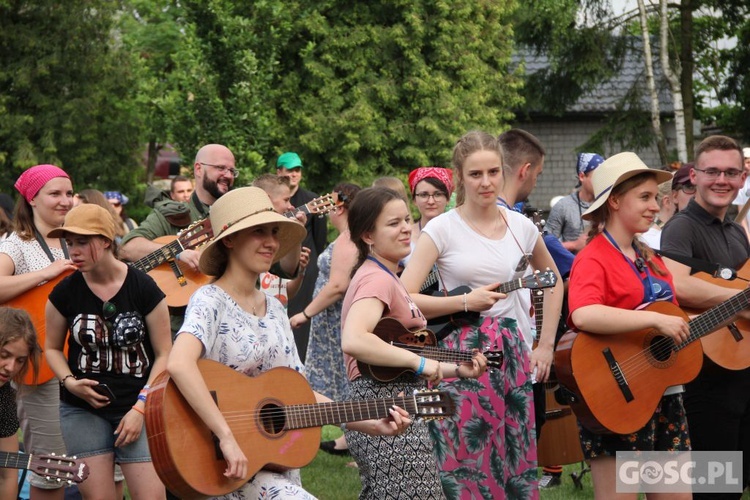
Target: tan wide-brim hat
<point>86,219</point>
<point>240,209</point>
<point>615,170</point>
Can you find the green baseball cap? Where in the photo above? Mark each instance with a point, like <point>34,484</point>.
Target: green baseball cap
<point>289,160</point>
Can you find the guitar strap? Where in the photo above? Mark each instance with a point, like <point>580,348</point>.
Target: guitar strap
<point>45,247</point>
<point>716,270</point>
<point>524,262</point>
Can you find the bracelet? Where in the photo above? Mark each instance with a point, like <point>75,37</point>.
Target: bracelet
<point>305,315</point>
<point>466,307</point>
<point>66,377</point>
<point>422,361</point>
<point>134,407</point>
<point>142,397</point>
<point>343,427</point>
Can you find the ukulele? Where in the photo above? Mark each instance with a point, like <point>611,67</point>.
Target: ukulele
<point>617,381</point>
<point>421,342</point>
<point>273,417</point>
<point>51,466</point>
<point>442,326</point>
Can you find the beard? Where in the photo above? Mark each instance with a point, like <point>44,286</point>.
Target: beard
<point>212,187</point>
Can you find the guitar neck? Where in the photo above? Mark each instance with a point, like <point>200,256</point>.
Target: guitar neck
<point>510,286</point>
<point>14,460</point>
<point>537,298</point>
<point>715,317</point>
<point>316,415</point>
<point>158,257</point>
<point>431,279</point>
<point>438,353</point>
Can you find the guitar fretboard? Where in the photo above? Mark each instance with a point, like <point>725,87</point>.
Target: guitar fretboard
<point>316,415</point>
<point>14,460</point>
<point>718,315</point>
<point>438,353</point>
<point>158,257</point>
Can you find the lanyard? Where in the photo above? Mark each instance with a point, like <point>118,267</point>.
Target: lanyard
<point>638,268</point>
<point>46,249</point>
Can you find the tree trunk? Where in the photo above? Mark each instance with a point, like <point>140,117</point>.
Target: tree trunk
<point>674,82</point>
<point>686,77</point>
<point>153,153</point>
<point>655,111</point>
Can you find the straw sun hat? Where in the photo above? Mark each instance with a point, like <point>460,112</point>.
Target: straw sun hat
<point>240,209</point>
<point>614,171</point>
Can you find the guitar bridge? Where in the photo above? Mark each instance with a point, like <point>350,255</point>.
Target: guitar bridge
<point>622,382</point>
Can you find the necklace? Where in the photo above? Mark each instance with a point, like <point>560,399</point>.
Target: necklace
<point>475,228</point>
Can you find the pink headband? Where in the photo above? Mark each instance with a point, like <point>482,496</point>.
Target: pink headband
<point>34,178</point>
<point>444,175</point>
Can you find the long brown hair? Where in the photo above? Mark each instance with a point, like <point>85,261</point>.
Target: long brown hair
<point>16,324</point>
<point>470,143</point>
<point>364,213</point>
<point>601,215</point>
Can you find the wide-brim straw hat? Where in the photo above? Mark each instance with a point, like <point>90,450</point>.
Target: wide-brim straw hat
<point>615,170</point>
<point>240,209</point>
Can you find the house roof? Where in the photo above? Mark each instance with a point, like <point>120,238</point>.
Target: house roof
<point>607,95</point>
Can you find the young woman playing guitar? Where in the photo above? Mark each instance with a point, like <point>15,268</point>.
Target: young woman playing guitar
<point>613,275</point>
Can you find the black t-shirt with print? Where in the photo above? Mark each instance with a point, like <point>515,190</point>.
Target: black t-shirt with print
<point>111,347</point>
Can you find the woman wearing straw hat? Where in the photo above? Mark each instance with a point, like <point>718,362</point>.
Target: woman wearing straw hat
<point>255,331</point>
<point>613,275</point>
<point>118,322</point>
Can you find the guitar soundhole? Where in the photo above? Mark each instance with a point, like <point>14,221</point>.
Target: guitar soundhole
<point>272,419</point>
<point>660,349</point>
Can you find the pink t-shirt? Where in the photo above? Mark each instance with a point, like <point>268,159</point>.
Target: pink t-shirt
<point>371,281</point>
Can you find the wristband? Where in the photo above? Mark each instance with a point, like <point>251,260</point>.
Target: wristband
<point>134,407</point>
<point>66,377</point>
<point>422,361</point>
<point>305,315</point>
<point>142,397</point>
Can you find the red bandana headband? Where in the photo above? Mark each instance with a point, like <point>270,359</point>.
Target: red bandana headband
<point>33,179</point>
<point>444,175</point>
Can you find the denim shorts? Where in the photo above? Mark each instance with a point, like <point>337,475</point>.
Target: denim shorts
<point>88,435</point>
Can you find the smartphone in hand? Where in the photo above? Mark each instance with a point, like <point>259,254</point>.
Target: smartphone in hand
<point>104,390</point>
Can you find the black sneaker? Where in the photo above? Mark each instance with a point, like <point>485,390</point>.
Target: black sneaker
<point>330,447</point>
<point>549,481</point>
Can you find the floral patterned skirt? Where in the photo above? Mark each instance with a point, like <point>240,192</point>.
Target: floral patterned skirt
<point>489,449</point>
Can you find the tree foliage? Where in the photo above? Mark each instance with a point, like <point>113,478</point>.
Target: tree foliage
<point>66,93</point>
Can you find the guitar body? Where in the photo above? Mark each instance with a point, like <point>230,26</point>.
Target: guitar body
<point>599,401</point>
<point>722,347</point>
<point>186,455</point>
<point>391,330</point>
<point>560,443</point>
<point>443,325</point>
<point>34,301</point>
<point>177,290</point>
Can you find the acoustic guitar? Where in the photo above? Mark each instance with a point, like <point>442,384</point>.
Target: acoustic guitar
<point>421,342</point>
<point>617,381</point>
<point>442,326</point>
<point>179,281</point>
<point>729,347</point>
<point>273,416</point>
<point>52,466</point>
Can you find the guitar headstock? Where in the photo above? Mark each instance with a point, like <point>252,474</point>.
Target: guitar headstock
<point>546,279</point>
<point>59,467</point>
<point>494,359</point>
<point>196,234</point>
<point>326,203</point>
<point>433,404</point>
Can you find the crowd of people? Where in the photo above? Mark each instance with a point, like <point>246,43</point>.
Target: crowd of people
<point>277,294</point>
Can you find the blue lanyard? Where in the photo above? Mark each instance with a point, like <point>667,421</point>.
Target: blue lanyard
<point>639,267</point>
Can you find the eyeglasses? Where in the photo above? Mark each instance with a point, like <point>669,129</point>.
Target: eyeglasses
<point>438,196</point>
<point>109,310</point>
<point>715,173</point>
<point>687,188</point>
<point>223,169</point>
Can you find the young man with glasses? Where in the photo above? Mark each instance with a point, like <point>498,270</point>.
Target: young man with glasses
<point>717,402</point>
